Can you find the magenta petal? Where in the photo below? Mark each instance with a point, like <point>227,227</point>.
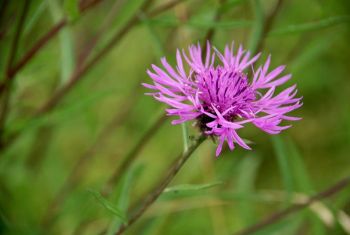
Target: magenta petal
<point>222,98</point>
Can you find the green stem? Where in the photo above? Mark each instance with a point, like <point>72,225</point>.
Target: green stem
<point>157,191</point>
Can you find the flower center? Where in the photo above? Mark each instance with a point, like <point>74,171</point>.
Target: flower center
<point>228,91</point>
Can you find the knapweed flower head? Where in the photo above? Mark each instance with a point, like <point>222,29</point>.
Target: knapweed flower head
<point>222,96</point>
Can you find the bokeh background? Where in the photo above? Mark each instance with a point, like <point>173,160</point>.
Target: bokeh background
<point>61,143</point>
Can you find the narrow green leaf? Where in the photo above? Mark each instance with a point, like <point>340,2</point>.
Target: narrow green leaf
<point>59,115</point>
<point>123,196</point>
<point>66,42</point>
<point>199,24</point>
<point>40,9</point>
<point>228,5</point>
<point>288,226</point>
<point>71,8</point>
<point>284,166</point>
<point>161,52</point>
<point>158,46</point>
<point>219,24</point>
<point>311,26</point>
<point>190,187</point>
<point>129,9</point>
<point>303,184</point>
<point>154,224</point>
<point>108,205</point>
<point>258,26</point>
<point>300,174</point>
<point>295,177</point>
<point>311,51</point>
<point>246,185</point>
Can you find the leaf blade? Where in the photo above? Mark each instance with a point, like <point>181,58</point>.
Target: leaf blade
<point>108,205</point>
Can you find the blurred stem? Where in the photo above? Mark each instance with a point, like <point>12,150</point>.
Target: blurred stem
<point>66,44</point>
<point>133,153</point>
<point>12,70</point>
<point>84,54</point>
<point>80,71</point>
<point>119,118</point>
<point>44,133</point>
<point>334,189</point>
<point>40,146</point>
<point>42,41</point>
<point>257,33</point>
<point>284,166</point>
<point>3,28</point>
<point>210,33</point>
<point>77,171</point>
<point>216,212</point>
<point>131,156</point>
<point>153,197</point>
<point>7,80</point>
<point>42,139</point>
<point>157,191</point>
<point>263,25</point>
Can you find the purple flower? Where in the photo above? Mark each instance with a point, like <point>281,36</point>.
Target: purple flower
<point>224,97</point>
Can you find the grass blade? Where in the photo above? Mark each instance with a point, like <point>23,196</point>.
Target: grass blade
<point>246,185</point>
<point>258,26</point>
<point>190,187</point>
<point>123,197</point>
<point>71,8</point>
<point>66,43</point>
<point>284,166</point>
<point>311,26</point>
<point>40,9</point>
<point>108,205</point>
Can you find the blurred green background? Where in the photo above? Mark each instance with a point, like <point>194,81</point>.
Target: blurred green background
<point>101,121</point>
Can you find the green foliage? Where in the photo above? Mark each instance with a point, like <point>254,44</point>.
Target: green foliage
<point>190,187</point>
<point>123,197</point>
<point>246,185</point>
<point>312,26</point>
<point>284,165</point>
<point>257,31</point>
<point>108,205</point>
<point>71,8</point>
<point>210,195</point>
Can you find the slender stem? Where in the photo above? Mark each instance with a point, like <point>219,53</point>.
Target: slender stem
<point>264,25</point>
<point>337,187</point>
<point>270,19</point>
<point>86,51</point>
<point>36,47</point>
<point>3,28</point>
<point>14,46</point>
<point>40,146</point>
<point>77,171</point>
<point>42,42</point>
<point>13,51</point>
<point>210,33</point>
<point>157,191</point>
<point>119,118</point>
<point>82,70</point>
<point>164,7</point>
<point>86,5</point>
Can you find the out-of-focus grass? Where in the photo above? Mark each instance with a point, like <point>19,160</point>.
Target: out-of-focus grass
<point>310,37</point>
